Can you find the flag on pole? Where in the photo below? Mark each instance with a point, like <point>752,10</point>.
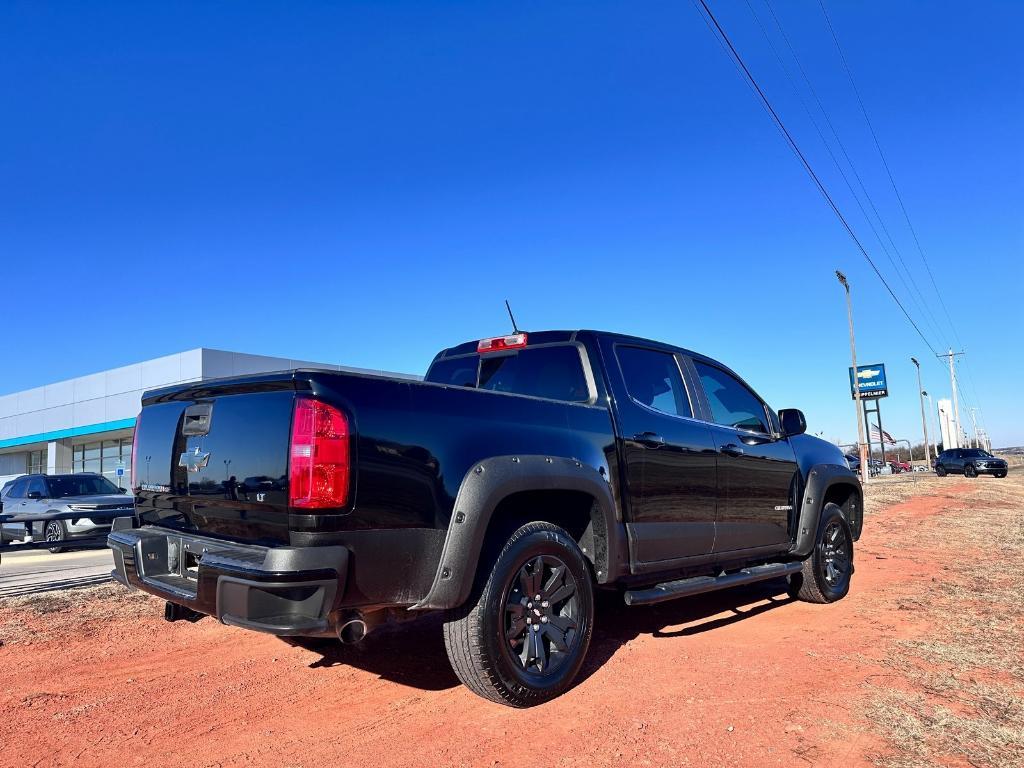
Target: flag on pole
<point>882,436</point>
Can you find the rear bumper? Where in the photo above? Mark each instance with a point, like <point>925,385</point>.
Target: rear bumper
<point>278,590</point>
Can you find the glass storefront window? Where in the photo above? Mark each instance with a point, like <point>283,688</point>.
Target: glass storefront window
<point>104,458</point>
<point>37,462</point>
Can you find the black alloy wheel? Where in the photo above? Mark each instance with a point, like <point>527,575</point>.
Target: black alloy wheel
<point>522,636</point>
<point>541,610</point>
<point>827,572</point>
<point>835,554</point>
<point>970,470</point>
<point>940,470</point>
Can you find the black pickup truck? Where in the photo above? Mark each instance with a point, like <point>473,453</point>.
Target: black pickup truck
<point>522,474</point>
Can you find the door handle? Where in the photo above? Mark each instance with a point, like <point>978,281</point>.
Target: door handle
<point>731,449</point>
<point>650,439</point>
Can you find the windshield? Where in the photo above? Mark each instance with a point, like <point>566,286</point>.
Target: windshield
<point>977,453</point>
<point>80,485</point>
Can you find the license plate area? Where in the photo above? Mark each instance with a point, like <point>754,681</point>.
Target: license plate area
<point>172,562</point>
<point>188,561</point>
<point>190,566</point>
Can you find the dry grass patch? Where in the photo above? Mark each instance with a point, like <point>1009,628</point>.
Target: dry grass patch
<point>886,491</point>
<point>34,618</point>
<point>957,693</point>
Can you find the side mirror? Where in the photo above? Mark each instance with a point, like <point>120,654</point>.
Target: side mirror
<point>33,495</point>
<point>792,421</point>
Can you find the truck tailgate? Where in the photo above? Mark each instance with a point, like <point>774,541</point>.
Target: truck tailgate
<point>215,462</point>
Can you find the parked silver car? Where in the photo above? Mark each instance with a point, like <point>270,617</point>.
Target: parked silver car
<point>89,493</point>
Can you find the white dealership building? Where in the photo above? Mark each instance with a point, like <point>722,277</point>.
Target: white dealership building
<point>85,424</point>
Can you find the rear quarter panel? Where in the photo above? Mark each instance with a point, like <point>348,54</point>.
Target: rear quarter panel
<point>418,440</point>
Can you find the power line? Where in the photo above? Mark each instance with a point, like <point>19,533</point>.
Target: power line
<point>917,298</point>
<point>888,170</point>
<point>807,166</point>
<point>896,192</point>
<point>921,304</point>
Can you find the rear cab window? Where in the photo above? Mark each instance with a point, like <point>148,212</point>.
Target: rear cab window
<point>553,372</point>
<point>455,371</point>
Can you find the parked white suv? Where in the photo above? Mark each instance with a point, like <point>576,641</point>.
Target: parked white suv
<point>98,499</point>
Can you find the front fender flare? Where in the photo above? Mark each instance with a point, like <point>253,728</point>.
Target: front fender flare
<point>490,481</point>
<point>820,478</point>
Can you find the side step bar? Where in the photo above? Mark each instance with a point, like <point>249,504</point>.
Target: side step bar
<point>670,590</point>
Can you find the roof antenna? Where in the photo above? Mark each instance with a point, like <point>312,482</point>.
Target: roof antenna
<point>515,328</point>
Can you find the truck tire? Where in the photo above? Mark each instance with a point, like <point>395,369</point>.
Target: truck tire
<point>55,532</point>
<point>521,638</point>
<point>826,573</point>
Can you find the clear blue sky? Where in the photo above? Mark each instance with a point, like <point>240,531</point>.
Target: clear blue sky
<point>365,182</point>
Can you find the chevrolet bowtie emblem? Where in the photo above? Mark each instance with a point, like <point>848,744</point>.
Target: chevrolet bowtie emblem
<point>194,461</point>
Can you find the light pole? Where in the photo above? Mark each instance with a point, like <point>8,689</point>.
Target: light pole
<point>861,444</point>
<point>924,422</point>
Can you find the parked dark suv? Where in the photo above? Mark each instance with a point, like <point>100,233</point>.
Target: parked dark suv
<point>970,462</point>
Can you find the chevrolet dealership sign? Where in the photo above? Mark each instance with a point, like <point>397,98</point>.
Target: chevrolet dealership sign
<point>870,380</point>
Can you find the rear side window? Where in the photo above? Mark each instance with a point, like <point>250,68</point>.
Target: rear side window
<point>553,372</point>
<point>653,379</point>
<point>732,403</point>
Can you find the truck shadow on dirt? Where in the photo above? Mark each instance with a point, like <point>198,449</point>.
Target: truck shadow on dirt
<point>412,653</point>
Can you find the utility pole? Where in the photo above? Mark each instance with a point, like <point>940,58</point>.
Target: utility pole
<point>861,444</point>
<point>956,402</point>
<point>974,421</point>
<point>924,422</point>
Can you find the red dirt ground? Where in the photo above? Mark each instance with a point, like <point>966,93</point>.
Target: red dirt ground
<point>742,678</point>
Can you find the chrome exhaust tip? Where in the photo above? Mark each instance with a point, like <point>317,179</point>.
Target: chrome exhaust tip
<point>352,631</point>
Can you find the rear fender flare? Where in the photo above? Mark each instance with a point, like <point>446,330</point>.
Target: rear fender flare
<point>484,487</point>
<point>820,479</point>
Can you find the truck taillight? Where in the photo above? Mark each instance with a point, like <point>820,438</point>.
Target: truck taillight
<point>498,343</point>
<point>318,465</point>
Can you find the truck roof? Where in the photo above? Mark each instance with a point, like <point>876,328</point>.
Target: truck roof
<point>553,337</point>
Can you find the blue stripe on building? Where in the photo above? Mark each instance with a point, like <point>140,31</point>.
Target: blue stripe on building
<point>60,434</point>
